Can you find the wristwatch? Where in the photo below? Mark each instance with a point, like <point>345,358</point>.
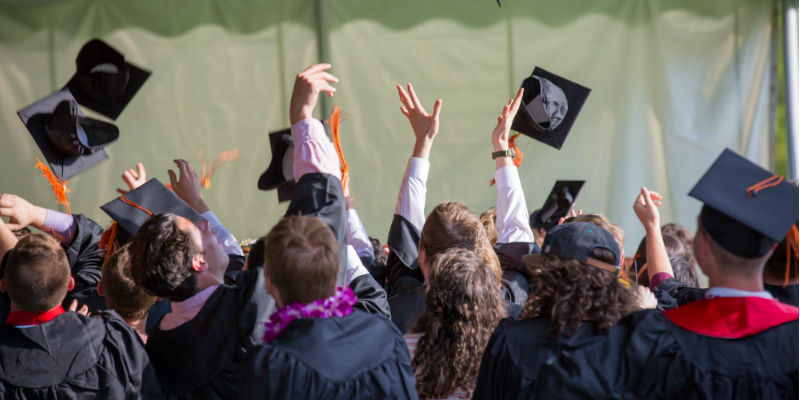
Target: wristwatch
<point>504,153</point>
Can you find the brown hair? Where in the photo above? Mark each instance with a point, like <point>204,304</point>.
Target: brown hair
<point>122,294</point>
<point>452,225</point>
<point>489,220</point>
<point>729,261</point>
<point>463,305</point>
<point>301,259</point>
<point>603,222</point>
<point>37,273</point>
<point>569,293</point>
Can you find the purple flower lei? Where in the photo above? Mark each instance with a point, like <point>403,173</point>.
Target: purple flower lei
<point>338,305</point>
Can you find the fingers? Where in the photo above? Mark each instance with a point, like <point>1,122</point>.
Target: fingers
<point>316,68</point>
<point>414,98</point>
<point>73,306</point>
<point>572,213</point>
<point>404,110</point>
<point>140,172</point>
<point>404,98</point>
<point>84,310</point>
<point>173,180</point>
<point>517,101</point>
<point>437,107</point>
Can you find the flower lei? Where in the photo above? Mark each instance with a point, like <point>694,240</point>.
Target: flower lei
<point>338,305</point>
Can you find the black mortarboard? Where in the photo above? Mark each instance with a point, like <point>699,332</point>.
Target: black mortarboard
<point>103,80</point>
<point>70,141</point>
<point>279,173</point>
<point>747,208</point>
<point>134,208</point>
<point>557,204</point>
<point>549,107</point>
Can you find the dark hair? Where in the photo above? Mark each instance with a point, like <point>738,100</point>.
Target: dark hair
<point>377,250</point>
<point>569,293</point>
<point>122,294</point>
<point>255,257</point>
<point>463,305</point>
<point>684,271</point>
<point>37,273</point>
<point>301,259</point>
<point>22,232</point>
<point>161,254</point>
<point>674,246</point>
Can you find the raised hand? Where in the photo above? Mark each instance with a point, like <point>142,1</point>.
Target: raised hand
<point>84,310</point>
<point>646,209</point>
<point>425,125</point>
<point>20,212</point>
<point>134,179</point>
<point>187,187</point>
<point>307,87</point>
<point>500,133</point>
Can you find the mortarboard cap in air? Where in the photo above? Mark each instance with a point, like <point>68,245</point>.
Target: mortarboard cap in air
<point>558,204</point>
<point>279,174</point>
<point>747,209</point>
<point>549,107</point>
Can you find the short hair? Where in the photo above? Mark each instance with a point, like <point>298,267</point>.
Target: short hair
<point>489,221</point>
<point>122,294</point>
<point>684,270</point>
<point>452,225</point>
<point>255,257</point>
<point>729,261</point>
<point>162,254</point>
<point>22,232</point>
<point>377,251</point>
<point>301,259</point>
<point>782,261</point>
<point>37,273</point>
<point>603,222</point>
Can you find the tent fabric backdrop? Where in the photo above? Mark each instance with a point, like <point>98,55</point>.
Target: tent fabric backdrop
<point>673,83</point>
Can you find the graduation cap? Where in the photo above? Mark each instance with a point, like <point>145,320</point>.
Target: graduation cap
<point>70,141</point>
<point>103,80</point>
<point>279,174</point>
<point>575,241</point>
<point>746,208</point>
<point>134,208</point>
<point>549,107</point>
<point>558,203</point>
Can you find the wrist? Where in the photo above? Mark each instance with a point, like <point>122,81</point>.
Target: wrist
<point>200,206</point>
<point>500,147</point>
<point>422,148</point>
<point>39,215</point>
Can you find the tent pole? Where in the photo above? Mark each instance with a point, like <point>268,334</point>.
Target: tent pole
<point>790,44</point>
<point>322,50</point>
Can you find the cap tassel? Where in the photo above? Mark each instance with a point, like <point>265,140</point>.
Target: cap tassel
<point>59,187</point>
<point>334,123</point>
<point>773,180</point>
<point>107,241</point>
<point>222,158</point>
<point>517,153</point>
<point>791,246</point>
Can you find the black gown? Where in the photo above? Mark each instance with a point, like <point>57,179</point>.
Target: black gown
<point>360,356</point>
<point>75,357</point>
<point>715,348</point>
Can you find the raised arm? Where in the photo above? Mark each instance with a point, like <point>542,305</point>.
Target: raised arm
<point>7,239</point>
<point>357,236</point>
<point>411,197</point>
<point>512,212</point>
<point>646,209</point>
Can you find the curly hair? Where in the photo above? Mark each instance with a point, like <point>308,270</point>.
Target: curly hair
<point>569,293</point>
<point>452,225</point>
<point>462,307</point>
<point>161,255</point>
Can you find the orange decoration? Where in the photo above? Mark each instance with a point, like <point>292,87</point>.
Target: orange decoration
<point>208,170</point>
<point>791,246</point>
<point>517,153</point>
<point>334,124</point>
<point>59,187</point>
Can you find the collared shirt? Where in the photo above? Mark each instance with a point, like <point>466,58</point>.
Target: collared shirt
<point>224,237</point>
<point>728,292</point>
<point>357,236</point>
<point>183,311</point>
<point>313,151</point>
<point>512,213</point>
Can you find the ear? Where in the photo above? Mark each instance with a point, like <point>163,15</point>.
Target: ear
<point>71,284</point>
<point>100,288</point>
<point>199,263</point>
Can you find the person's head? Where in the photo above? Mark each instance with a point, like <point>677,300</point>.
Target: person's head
<point>463,305</point>
<point>379,251</point>
<point>488,219</point>
<point>603,222</point>
<point>576,279</point>
<point>122,294</point>
<point>743,254</point>
<point>685,235</point>
<point>674,246</point>
<point>452,225</point>
<point>37,275</point>
<point>255,257</point>
<point>301,260</point>
<point>684,270</point>
<point>170,253</point>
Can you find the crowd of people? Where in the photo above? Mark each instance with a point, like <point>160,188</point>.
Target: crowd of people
<point>458,304</point>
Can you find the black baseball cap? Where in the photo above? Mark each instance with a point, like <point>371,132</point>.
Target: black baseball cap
<point>549,107</point>
<point>136,207</point>
<point>747,209</point>
<point>575,241</point>
<point>558,204</point>
<point>70,142</point>
<point>103,80</point>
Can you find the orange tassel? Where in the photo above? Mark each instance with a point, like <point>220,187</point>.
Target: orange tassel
<point>791,247</point>
<point>517,153</point>
<point>59,187</point>
<point>222,158</point>
<point>107,241</point>
<point>334,123</point>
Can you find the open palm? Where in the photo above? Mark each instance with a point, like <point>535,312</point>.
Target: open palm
<point>425,125</point>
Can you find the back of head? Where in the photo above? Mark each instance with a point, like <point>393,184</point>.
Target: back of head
<point>162,255</point>
<point>301,259</point>
<point>37,273</point>
<point>452,225</point>
<point>684,270</point>
<point>122,294</point>
<point>684,235</point>
<point>463,305</point>
<point>674,247</point>
<point>488,219</point>
<point>782,264</point>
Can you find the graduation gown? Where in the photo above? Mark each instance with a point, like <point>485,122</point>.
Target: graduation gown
<point>359,356</point>
<point>75,357</point>
<point>86,262</point>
